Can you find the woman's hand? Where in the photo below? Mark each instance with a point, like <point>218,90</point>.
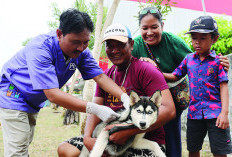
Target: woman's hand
<point>224,61</point>
<point>148,60</point>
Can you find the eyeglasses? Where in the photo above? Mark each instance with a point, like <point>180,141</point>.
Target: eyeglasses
<point>152,11</point>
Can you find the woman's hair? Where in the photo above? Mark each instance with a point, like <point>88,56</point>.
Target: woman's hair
<point>74,21</point>
<point>150,10</point>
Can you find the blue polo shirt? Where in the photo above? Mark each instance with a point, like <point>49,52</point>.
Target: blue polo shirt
<point>40,65</point>
<point>205,77</point>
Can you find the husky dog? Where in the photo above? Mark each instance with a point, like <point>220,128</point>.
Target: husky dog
<point>142,114</point>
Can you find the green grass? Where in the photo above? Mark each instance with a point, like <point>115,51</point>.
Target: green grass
<point>49,132</point>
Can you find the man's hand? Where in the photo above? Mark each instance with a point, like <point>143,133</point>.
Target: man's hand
<point>89,142</point>
<point>119,137</point>
<point>224,61</point>
<point>105,113</point>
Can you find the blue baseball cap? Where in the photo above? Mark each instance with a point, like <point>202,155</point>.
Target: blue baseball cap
<point>203,24</point>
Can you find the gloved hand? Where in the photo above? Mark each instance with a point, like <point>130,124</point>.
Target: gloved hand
<point>126,101</point>
<point>105,113</point>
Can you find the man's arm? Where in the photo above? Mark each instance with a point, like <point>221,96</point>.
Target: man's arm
<point>70,102</point>
<point>91,123</point>
<point>65,100</point>
<point>222,120</point>
<point>167,108</point>
<point>108,85</point>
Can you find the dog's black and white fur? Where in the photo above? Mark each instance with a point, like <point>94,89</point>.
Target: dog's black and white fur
<point>143,113</point>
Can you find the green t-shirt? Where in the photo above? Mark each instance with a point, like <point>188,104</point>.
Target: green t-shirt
<point>169,52</point>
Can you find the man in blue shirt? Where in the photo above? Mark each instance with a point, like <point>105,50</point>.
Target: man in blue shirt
<point>38,71</point>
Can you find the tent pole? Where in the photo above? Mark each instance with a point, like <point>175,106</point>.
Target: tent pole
<point>203,6</point>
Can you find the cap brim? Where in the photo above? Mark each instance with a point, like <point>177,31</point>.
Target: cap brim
<point>199,31</point>
<point>118,38</point>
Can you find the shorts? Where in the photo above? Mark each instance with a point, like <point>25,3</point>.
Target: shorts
<point>219,139</point>
<point>78,143</point>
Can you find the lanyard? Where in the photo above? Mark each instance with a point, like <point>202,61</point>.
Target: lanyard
<point>124,75</point>
<point>152,57</point>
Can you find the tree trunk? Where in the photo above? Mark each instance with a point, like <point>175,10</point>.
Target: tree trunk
<point>70,117</point>
<point>89,88</point>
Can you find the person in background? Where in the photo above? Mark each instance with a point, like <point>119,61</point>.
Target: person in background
<point>168,50</point>
<point>38,71</point>
<point>209,97</point>
<point>131,74</point>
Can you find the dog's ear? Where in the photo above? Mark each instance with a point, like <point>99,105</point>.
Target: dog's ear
<point>156,98</point>
<point>134,98</point>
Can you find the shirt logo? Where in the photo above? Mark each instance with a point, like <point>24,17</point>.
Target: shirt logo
<point>9,93</point>
<point>113,101</point>
<point>72,66</point>
<point>115,30</point>
<point>210,70</point>
<point>13,92</point>
<point>157,59</point>
<point>198,22</point>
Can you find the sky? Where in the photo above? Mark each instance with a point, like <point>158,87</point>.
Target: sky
<point>23,19</point>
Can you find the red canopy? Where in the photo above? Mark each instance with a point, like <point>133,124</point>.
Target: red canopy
<point>212,6</point>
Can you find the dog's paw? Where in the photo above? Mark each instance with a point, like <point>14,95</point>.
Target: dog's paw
<point>124,115</point>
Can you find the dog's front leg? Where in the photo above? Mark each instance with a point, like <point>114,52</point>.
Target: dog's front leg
<point>100,144</point>
<point>84,152</point>
<point>142,143</point>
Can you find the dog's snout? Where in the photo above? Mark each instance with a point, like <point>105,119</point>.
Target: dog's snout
<point>142,124</point>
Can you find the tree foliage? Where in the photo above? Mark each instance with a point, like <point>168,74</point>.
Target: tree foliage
<point>163,5</point>
<point>90,8</point>
<point>26,41</point>
<point>224,43</point>
<point>56,17</point>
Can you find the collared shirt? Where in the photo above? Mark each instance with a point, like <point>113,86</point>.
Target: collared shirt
<point>40,65</point>
<point>205,77</point>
